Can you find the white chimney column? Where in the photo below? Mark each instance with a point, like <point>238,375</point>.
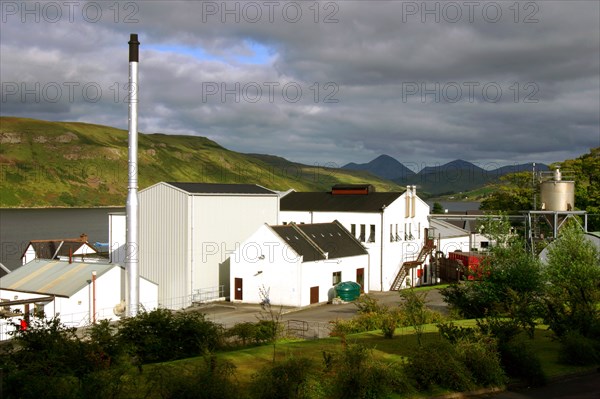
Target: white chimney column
<point>132,248</point>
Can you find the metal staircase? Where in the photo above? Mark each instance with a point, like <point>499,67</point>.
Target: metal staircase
<point>406,266</point>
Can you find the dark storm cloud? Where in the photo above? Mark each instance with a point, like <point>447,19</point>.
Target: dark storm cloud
<point>339,82</point>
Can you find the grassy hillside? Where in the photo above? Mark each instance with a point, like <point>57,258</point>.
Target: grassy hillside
<point>46,163</point>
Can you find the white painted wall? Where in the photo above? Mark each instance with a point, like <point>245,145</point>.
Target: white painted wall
<point>283,274</point>
<point>386,257</point>
<point>165,242</point>
<point>117,237</point>
<point>220,224</point>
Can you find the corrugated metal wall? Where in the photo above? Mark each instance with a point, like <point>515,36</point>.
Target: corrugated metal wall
<point>164,243</point>
<point>222,224</point>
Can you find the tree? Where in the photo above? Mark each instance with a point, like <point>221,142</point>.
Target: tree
<point>573,289</point>
<point>514,192</point>
<point>586,173</point>
<point>437,208</point>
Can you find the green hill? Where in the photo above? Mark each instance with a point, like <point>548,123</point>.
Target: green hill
<point>46,163</point>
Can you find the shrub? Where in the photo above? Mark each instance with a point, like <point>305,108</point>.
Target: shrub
<point>482,359</point>
<point>437,364</point>
<point>453,333</point>
<point>245,332</point>
<point>207,380</point>
<point>579,350</point>
<point>161,335</point>
<point>520,361</point>
<point>293,378</point>
<point>367,304</point>
<point>389,323</point>
<point>357,375</point>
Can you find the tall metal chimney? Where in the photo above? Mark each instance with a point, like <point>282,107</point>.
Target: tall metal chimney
<point>131,259</point>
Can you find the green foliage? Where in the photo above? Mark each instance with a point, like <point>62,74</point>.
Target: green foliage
<point>520,361</point>
<point>573,292</point>
<point>389,322</point>
<point>482,359</point>
<point>579,350</point>
<point>244,332</point>
<point>205,380</point>
<point>438,364</point>
<point>514,192</point>
<point>414,309</point>
<point>78,164</point>
<point>294,378</point>
<point>368,304</point>
<point>453,333</point>
<point>161,335</point>
<point>586,172</point>
<point>357,375</point>
<point>437,208</point>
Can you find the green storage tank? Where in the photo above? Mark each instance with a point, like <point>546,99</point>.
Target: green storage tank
<point>347,290</point>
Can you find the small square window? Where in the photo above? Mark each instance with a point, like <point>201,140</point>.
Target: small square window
<point>336,278</point>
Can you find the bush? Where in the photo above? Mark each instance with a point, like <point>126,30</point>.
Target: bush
<point>357,375</point>
<point>437,364</point>
<point>367,304</point>
<point>453,333</point>
<point>293,378</point>
<point>520,361</point>
<point>579,350</point>
<point>389,322</point>
<point>245,332</point>
<point>161,335</point>
<point>207,380</point>
<point>482,359</point>
<point>503,330</point>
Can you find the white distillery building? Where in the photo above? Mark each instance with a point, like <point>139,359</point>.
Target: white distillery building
<point>79,293</point>
<point>296,265</point>
<point>189,230</point>
<point>391,225</point>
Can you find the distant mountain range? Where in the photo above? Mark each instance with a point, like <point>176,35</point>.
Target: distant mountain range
<point>452,177</point>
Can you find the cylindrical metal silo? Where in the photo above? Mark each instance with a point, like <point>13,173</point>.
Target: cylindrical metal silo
<point>558,194</point>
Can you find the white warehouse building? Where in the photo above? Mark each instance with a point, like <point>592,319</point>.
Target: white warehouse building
<point>296,265</point>
<point>391,225</point>
<point>189,230</point>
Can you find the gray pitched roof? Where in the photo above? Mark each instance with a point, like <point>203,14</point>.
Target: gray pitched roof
<point>221,188</point>
<point>445,229</point>
<point>53,277</point>
<point>327,202</point>
<point>313,241</point>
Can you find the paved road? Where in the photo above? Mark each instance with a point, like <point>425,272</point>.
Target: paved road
<point>315,319</point>
<point>579,387</point>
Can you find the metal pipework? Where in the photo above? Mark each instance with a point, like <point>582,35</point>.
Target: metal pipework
<point>132,249</point>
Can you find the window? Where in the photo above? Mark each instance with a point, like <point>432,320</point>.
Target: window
<point>405,233</point>
<point>284,223</point>
<point>362,233</point>
<point>372,233</point>
<point>484,244</point>
<point>353,230</point>
<point>336,278</point>
<point>397,235</point>
<point>419,231</point>
<point>392,238</point>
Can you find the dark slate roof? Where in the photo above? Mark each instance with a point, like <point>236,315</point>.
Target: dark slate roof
<point>221,188</point>
<point>324,201</point>
<point>312,241</point>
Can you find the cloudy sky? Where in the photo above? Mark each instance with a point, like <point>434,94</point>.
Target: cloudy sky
<point>320,82</point>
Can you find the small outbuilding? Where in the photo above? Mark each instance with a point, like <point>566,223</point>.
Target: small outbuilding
<point>79,293</point>
<point>297,264</point>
